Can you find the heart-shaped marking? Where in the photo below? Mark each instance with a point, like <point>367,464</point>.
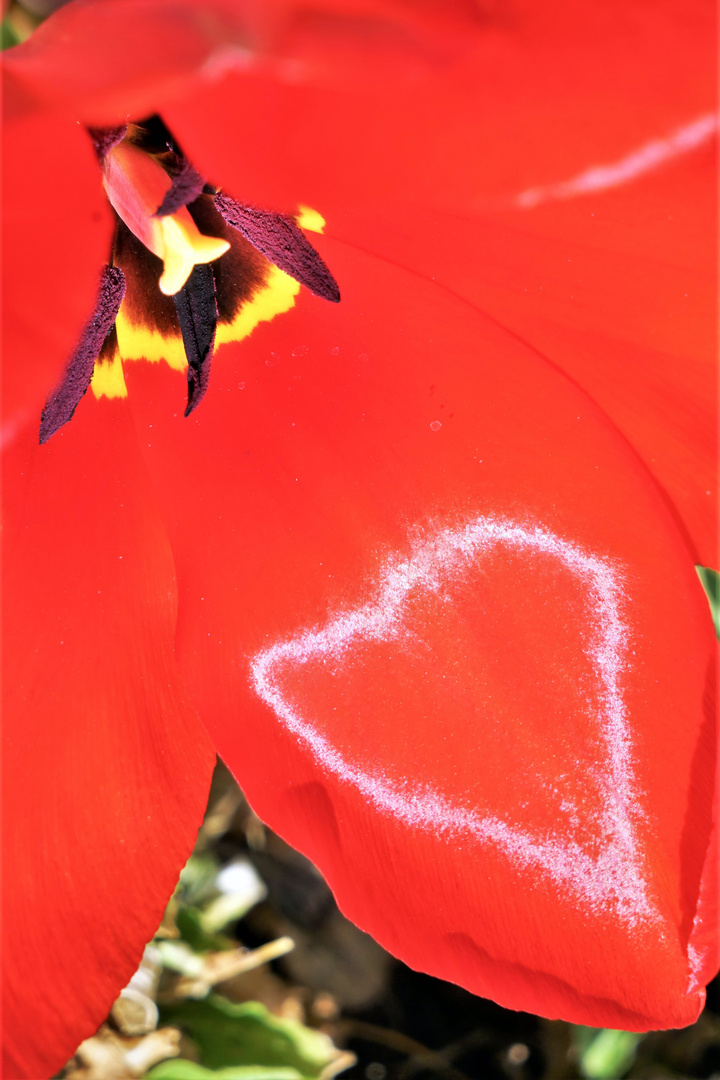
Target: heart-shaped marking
<point>602,874</point>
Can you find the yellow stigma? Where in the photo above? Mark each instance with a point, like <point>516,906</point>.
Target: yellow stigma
<point>183,247</point>
<point>136,185</point>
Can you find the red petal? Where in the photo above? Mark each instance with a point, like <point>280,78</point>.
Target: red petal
<point>56,233</point>
<point>105,766</point>
<point>533,95</point>
<point>358,101</point>
<point>619,289</point>
<point>454,753</point>
<point>334,476</point>
<point>104,61</point>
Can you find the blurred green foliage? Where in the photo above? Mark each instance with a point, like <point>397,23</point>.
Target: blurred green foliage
<point>710,580</point>
<point>247,1034</point>
<point>188,1070</point>
<point>605,1054</point>
<point>8,36</point>
<point>231,1041</point>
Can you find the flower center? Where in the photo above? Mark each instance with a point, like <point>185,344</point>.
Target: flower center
<point>167,293</point>
<point>136,186</point>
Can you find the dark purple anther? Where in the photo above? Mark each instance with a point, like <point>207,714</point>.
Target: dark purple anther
<point>105,138</point>
<point>196,306</point>
<point>283,243</point>
<point>65,397</point>
<point>186,186</point>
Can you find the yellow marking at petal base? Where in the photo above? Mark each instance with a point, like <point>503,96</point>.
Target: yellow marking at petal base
<point>108,379</point>
<point>275,298</point>
<point>137,342</point>
<point>310,219</point>
<point>183,248</point>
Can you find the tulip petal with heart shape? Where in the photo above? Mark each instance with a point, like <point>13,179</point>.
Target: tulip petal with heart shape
<point>448,625</point>
<point>422,563</point>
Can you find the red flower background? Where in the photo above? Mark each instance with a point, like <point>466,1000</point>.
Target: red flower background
<point>421,565</point>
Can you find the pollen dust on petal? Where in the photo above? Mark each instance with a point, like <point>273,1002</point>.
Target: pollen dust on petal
<point>591,849</point>
<point>310,219</point>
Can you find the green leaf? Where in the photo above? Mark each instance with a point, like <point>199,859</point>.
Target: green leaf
<point>710,581</point>
<point>190,922</point>
<point>582,1036</point>
<point>609,1054</point>
<point>8,36</point>
<point>179,1069</point>
<point>197,878</point>
<point>247,1034</point>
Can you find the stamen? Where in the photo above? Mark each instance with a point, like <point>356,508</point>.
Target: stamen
<point>187,184</point>
<point>66,396</point>
<point>105,138</point>
<point>196,306</point>
<point>283,243</point>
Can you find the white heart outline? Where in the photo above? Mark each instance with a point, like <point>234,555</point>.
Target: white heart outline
<point>615,877</point>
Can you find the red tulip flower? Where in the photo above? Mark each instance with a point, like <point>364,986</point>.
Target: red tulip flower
<point>419,565</point>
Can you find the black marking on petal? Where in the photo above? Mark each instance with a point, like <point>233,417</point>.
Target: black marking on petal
<point>196,307</point>
<point>144,305</point>
<point>109,350</point>
<point>187,184</point>
<point>283,243</point>
<point>153,136</point>
<point>65,397</point>
<point>105,138</point>
<point>240,272</point>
